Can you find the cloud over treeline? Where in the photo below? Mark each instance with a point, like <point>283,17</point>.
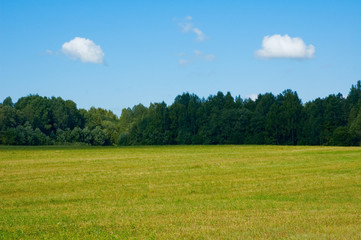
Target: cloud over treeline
<point>277,46</point>
<point>83,49</point>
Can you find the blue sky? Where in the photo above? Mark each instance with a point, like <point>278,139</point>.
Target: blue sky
<point>155,50</point>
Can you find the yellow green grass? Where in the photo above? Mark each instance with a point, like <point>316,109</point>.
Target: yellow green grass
<point>180,192</point>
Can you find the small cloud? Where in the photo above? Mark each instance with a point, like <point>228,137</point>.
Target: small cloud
<point>180,54</point>
<point>205,57</point>
<point>197,53</point>
<point>277,46</point>
<point>50,52</point>
<point>210,58</point>
<point>188,26</point>
<point>184,62</point>
<point>84,49</point>
<point>200,35</point>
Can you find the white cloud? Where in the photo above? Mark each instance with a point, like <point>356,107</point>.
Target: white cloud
<point>184,62</point>
<point>210,58</point>
<point>84,49</point>
<point>205,57</point>
<point>277,46</point>
<point>188,26</point>
<point>50,52</point>
<point>197,56</point>
<point>197,53</point>
<point>200,35</point>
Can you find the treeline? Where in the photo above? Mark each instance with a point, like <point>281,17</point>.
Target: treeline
<point>36,120</point>
<point>219,119</point>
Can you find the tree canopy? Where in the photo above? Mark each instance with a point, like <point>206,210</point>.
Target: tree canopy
<point>219,119</point>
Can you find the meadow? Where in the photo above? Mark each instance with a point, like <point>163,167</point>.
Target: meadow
<point>180,192</point>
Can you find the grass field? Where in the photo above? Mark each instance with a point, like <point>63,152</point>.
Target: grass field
<point>180,192</point>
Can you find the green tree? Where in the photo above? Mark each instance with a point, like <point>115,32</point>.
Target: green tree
<point>156,125</point>
<point>257,133</point>
<point>355,130</point>
<point>183,117</point>
<point>8,102</point>
<point>292,113</point>
<point>334,116</point>
<point>99,136</point>
<point>313,123</point>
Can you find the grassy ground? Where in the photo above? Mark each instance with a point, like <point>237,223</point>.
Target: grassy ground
<point>180,192</point>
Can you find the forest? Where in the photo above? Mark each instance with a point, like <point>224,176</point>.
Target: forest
<point>218,119</point>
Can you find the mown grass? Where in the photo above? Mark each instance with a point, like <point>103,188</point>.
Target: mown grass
<point>180,192</point>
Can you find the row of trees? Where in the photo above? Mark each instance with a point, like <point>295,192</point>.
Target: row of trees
<point>219,119</point>
<point>36,120</point>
